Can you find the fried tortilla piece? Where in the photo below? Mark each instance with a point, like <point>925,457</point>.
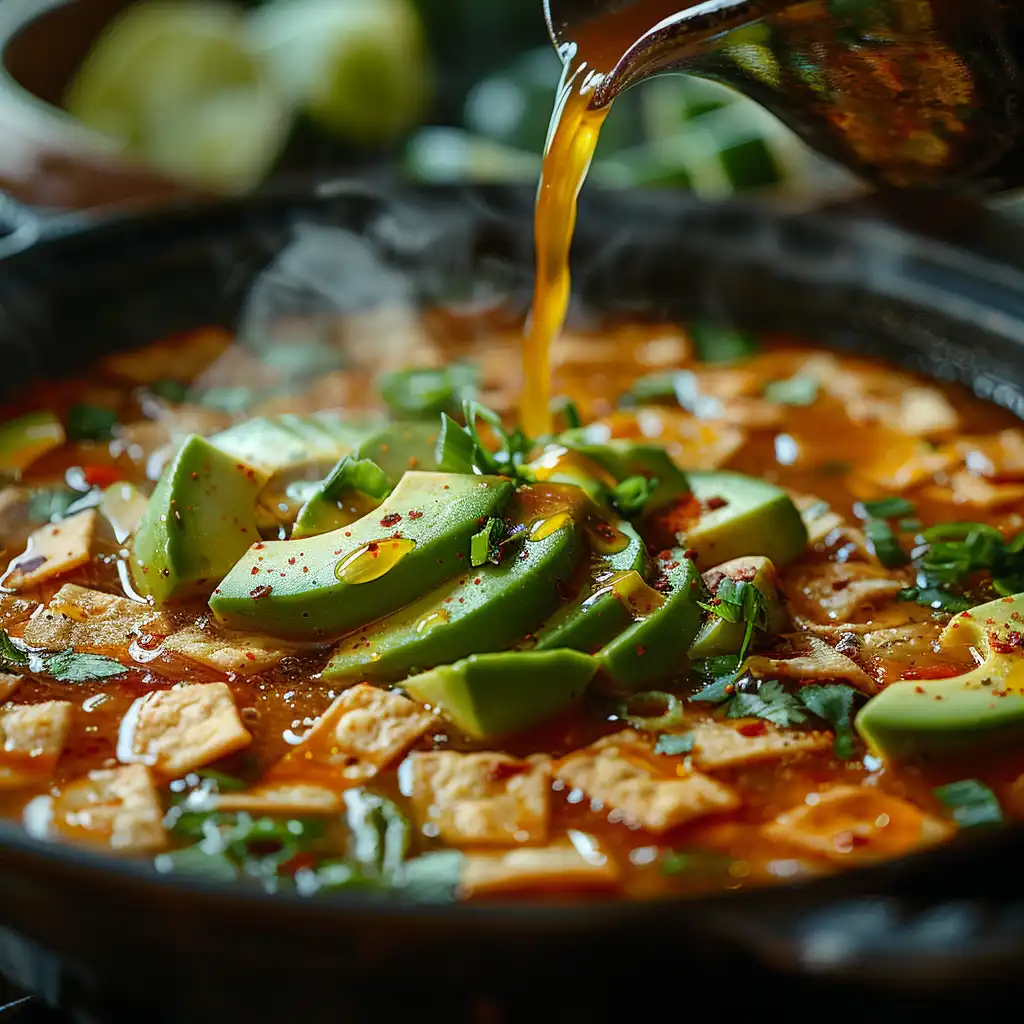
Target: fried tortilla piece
<point>8,684</point>
<point>853,824</point>
<point>279,798</point>
<point>558,867</point>
<point>32,738</point>
<point>745,741</point>
<point>999,457</point>
<point>118,807</point>
<point>622,777</point>
<point>361,733</point>
<point>820,663</point>
<point>175,731</point>
<point>967,489</point>
<point>235,654</point>
<point>485,798</point>
<point>53,550</point>
<point>92,621</point>
<point>825,592</point>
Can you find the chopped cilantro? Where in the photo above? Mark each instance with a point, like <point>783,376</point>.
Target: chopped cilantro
<point>721,671</point>
<point>11,656</point>
<point>770,702</point>
<point>833,703</point>
<point>884,543</point>
<point>909,525</point>
<point>173,391</point>
<point>739,601</point>
<point>71,667</point>
<point>485,546</point>
<point>674,744</point>
<point>679,862</point>
<point>654,388</point>
<point>632,494</point>
<point>362,475</point>
<point>885,508</point>
<point>380,835</point>
<point>431,877</point>
<point>51,504</point>
<point>570,412</point>
<point>795,391</point>
<point>513,446</point>
<point>971,802</point>
<point>424,394</point>
<point>90,423</point>
<point>716,343</point>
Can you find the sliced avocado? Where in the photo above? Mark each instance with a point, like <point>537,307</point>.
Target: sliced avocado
<point>327,585</point>
<point>654,647</point>
<point>399,447</point>
<point>975,710</point>
<point>742,516</point>
<point>605,608</point>
<point>199,521</point>
<point>490,695</point>
<point>560,465</point>
<point>488,608</point>
<point>717,636</point>
<point>353,489</point>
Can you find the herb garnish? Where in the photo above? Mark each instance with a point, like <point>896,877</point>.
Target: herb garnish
<point>885,508</point>
<point>833,703</point>
<point>770,702</point>
<point>173,391</point>
<point>485,546</point>
<point>972,803</point>
<point>674,744</point>
<point>678,862</point>
<point>739,601</point>
<point>632,494</point>
<point>90,423</point>
<point>716,343</point>
<point>883,542</point>
<point>460,449</point>
<point>424,394</point>
<point>350,474</point>
<point>569,411</point>
<point>65,666</point>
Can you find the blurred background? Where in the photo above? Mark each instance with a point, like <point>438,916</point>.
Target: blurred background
<point>102,100</point>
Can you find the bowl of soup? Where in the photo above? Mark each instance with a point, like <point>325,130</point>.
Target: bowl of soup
<point>300,624</point>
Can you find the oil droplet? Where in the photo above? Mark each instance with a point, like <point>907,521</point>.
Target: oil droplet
<point>373,560</point>
<point>605,538</point>
<point>432,621</point>
<point>543,528</point>
<point>629,587</point>
<point>559,463</point>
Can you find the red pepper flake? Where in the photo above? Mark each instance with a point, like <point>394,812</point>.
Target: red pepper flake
<point>292,561</point>
<point>938,696</point>
<point>690,554</point>
<point>391,519</point>
<point>258,546</point>
<point>101,476</point>
<point>305,568</point>
<point>255,571</point>
<point>918,689</point>
<point>758,728</point>
<point>250,655</point>
<point>715,503</point>
<point>640,650</point>
<point>348,533</point>
<point>478,581</point>
<point>260,592</point>
<point>460,556</point>
<point>462,600</point>
<point>605,531</point>
<point>1006,644</point>
<point>414,514</point>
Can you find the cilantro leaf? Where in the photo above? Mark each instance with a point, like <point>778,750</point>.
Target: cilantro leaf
<point>632,494</point>
<point>833,703</point>
<point>90,423</point>
<point>10,655</point>
<point>972,803</point>
<point>722,671</point>
<point>485,546</point>
<point>70,667</point>
<point>693,861</point>
<point>885,508</point>
<point>674,744</point>
<point>771,702</point>
<point>795,391</point>
<point>884,543</point>
<point>739,601</point>
<point>716,343</point>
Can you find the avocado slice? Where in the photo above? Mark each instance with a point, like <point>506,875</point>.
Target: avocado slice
<point>604,609</point>
<point>488,608</point>
<point>399,447</point>
<point>720,637</point>
<point>325,586</point>
<point>975,710</point>
<point>490,695</point>
<point>353,489</point>
<point>199,521</point>
<point>653,648</point>
<point>742,515</point>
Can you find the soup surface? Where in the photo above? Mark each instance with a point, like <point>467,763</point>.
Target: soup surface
<point>746,615</point>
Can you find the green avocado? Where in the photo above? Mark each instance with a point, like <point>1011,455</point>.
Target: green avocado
<point>717,636</point>
<point>399,447</point>
<point>199,521</point>
<point>491,695</point>
<point>487,608</point>
<point>328,585</point>
<point>973,711</point>
<point>654,647</point>
<point>742,516</point>
<point>604,609</point>
<point>353,489</point>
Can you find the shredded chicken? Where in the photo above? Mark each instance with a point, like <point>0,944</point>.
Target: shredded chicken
<point>622,777</point>
<point>856,823</point>
<point>485,798</point>
<point>118,807</point>
<point>362,732</point>
<point>53,550</point>
<point>561,866</point>
<point>175,731</point>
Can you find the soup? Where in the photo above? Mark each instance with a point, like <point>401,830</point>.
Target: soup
<point>745,615</point>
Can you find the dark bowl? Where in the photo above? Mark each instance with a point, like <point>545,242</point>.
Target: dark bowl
<point>109,939</point>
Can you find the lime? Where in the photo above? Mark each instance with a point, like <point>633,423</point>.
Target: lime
<point>359,68</point>
<point>177,85</point>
